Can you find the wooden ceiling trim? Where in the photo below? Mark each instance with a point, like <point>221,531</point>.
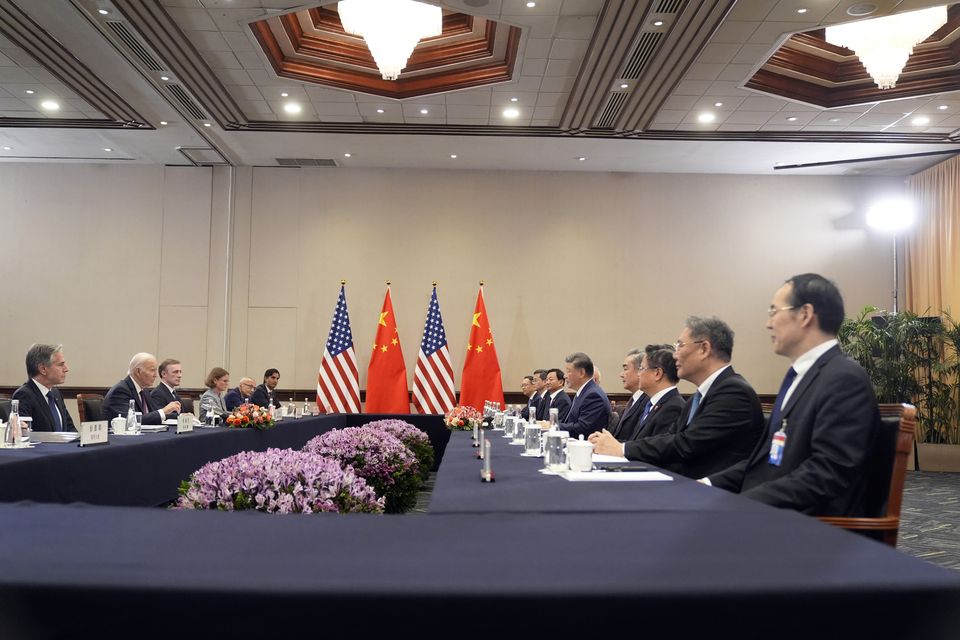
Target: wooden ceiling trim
<point>454,24</point>
<point>692,29</point>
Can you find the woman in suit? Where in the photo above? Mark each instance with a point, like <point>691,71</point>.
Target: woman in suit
<point>211,402</point>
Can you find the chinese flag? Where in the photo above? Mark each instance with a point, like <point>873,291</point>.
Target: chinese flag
<point>481,371</point>
<point>387,375</point>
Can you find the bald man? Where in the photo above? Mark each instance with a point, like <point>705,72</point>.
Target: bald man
<point>141,374</point>
<point>237,396</point>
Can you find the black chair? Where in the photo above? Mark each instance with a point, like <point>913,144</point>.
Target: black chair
<point>884,495</point>
<point>90,407</point>
<point>186,404</point>
<point>4,408</point>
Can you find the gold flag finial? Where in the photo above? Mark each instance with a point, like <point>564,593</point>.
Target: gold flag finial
<point>481,283</point>
<point>388,283</point>
<point>343,282</point>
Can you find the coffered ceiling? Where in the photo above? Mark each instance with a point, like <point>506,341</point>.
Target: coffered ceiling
<point>593,85</point>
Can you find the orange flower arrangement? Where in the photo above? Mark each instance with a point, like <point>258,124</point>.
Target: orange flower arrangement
<point>250,415</point>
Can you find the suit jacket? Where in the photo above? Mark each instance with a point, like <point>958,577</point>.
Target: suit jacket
<point>832,421</point>
<point>212,401</point>
<point>233,399</point>
<point>34,404</point>
<point>589,412</point>
<point>662,417</point>
<point>543,405</point>
<point>118,399</point>
<point>532,402</point>
<point>630,418</point>
<point>161,397</point>
<point>724,431</point>
<point>561,403</point>
<point>263,397</point>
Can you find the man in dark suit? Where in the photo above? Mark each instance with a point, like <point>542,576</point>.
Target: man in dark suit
<point>590,410</point>
<point>630,376</point>
<point>658,382</point>
<point>264,395</point>
<point>238,395</point>
<point>529,389</point>
<point>539,404</point>
<point>142,373</point>
<point>722,422</point>
<point>555,397</point>
<point>171,372</point>
<point>815,454</point>
<point>39,399</point>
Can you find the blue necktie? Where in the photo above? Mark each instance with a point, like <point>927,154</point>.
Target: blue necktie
<point>646,412</point>
<point>694,405</point>
<point>778,405</point>
<point>54,414</point>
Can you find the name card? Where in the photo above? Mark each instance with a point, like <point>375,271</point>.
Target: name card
<point>93,433</point>
<point>185,423</point>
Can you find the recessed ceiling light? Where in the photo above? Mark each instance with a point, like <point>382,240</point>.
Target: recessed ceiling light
<point>834,119</point>
<point>582,158</point>
<point>861,9</point>
<point>718,104</point>
<point>292,107</point>
<point>943,107</point>
<point>706,117</point>
<point>164,78</point>
<point>801,11</point>
<point>206,124</point>
<point>379,110</point>
<point>919,120</point>
<point>658,23</point>
<point>624,85</point>
<point>8,148</point>
<point>511,112</point>
<point>453,156</point>
<point>30,91</point>
<point>102,12</point>
<point>50,105</point>
<point>514,99</point>
<point>531,5</point>
<point>107,149</point>
<point>164,123</point>
<point>348,155</point>
<point>284,94</point>
<point>424,112</point>
<point>792,119</point>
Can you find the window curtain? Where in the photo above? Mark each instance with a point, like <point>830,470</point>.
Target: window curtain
<point>933,248</point>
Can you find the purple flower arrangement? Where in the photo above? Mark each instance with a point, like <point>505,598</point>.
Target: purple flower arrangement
<point>416,440</point>
<point>279,481</point>
<point>379,458</point>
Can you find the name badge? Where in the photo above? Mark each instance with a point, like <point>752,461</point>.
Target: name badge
<point>93,433</point>
<point>778,444</point>
<point>185,423</point>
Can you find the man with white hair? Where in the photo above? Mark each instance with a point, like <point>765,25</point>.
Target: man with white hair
<point>142,373</point>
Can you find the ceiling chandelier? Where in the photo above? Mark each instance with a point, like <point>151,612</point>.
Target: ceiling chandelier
<point>391,29</point>
<point>883,45</point>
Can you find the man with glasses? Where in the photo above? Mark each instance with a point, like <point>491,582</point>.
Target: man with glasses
<point>538,382</point>
<point>814,456</point>
<point>722,422</point>
<point>655,411</point>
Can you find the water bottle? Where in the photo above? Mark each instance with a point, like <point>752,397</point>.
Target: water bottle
<point>306,408</point>
<point>291,409</point>
<point>12,437</point>
<point>131,426</point>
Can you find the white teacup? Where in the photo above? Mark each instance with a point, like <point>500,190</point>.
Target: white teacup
<point>580,455</point>
<point>119,425</point>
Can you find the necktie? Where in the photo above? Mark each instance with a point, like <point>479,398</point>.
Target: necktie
<point>694,405</point>
<point>54,414</point>
<point>143,399</point>
<point>646,412</point>
<point>778,405</point>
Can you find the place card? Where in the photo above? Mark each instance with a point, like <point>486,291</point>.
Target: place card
<point>185,423</point>
<point>93,433</point>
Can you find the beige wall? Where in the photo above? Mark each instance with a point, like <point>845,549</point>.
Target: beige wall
<point>242,267</point>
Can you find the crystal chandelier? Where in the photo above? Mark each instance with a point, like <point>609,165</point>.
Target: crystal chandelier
<point>391,28</point>
<point>883,45</point>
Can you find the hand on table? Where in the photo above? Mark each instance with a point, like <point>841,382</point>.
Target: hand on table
<point>171,407</point>
<point>604,443</point>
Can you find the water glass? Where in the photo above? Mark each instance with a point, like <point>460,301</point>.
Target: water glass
<point>555,454</point>
<point>531,444</point>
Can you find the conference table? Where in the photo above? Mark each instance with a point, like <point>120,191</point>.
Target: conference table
<point>528,554</point>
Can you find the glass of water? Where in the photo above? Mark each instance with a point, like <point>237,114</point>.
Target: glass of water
<point>555,453</point>
<point>531,444</point>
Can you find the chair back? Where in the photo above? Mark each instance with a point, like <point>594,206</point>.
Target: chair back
<point>89,407</point>
<point>4,408</point>
<point>884,490</point>
<point>186,404</point>
<point>613,421</point>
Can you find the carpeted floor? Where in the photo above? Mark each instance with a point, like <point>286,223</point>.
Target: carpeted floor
<point>930,518</point>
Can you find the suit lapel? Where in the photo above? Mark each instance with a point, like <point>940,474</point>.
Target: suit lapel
<point>137,400</point>
<point>41,403</point>
<point>807,380</point>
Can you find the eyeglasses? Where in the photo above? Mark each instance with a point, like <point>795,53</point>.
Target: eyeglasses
<point>640,369</point>
<point>772,311</point>
<point>679,344</point>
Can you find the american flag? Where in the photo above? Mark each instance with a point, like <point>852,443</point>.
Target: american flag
<point>433,378</point>
<point>338,384</point>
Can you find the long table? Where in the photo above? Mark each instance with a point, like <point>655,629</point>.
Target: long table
<point>146,470</point>
<point>726,567</point>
